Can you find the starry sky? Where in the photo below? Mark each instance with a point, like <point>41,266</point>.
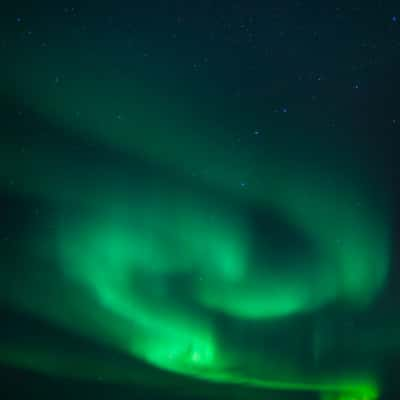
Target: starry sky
<point>199,199</point>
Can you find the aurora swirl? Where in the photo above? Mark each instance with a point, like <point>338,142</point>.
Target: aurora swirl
<point>170,233</point>
<point>150,268</point>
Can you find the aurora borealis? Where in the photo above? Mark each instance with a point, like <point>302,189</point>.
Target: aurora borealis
<point>199,201</point>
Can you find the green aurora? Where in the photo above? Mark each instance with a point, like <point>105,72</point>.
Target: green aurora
<point>149,253</point>
<point>148,264</point>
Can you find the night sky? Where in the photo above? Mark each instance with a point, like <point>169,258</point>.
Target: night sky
<point>198,200</point>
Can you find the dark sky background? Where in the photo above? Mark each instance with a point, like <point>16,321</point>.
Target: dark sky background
<point>218,172</point>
